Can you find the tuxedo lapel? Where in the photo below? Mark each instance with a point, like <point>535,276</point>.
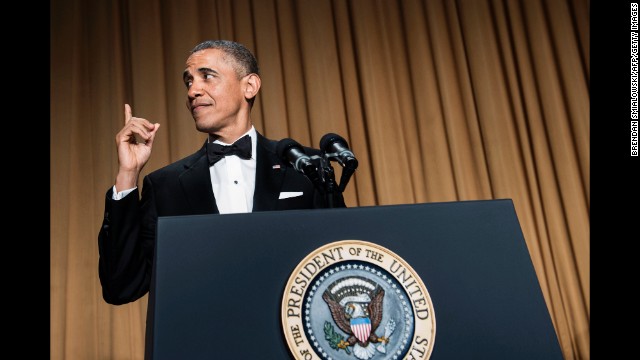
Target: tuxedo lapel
<point>270,172</point>
<point>196,185</point>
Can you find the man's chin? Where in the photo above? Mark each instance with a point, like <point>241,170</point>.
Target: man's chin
<point>205,128</point>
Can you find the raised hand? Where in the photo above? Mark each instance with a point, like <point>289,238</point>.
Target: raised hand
<point>134,143</point>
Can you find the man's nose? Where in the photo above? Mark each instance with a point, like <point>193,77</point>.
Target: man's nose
<point>195,90</point>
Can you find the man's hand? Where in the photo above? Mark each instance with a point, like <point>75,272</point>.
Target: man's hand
<point>134,144</point>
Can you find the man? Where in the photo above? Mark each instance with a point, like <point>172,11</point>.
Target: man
<point>222,80</point>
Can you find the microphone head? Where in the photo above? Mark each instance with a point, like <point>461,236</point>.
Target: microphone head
<point>283,146</point>
<point>335,144</point>
<point>291,152</point>
<point>331,138</point>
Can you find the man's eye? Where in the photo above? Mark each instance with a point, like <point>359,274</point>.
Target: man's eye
<point>208,76</point>
<point>188,83</point>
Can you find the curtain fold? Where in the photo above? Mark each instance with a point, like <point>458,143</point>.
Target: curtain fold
<point>440,101</point>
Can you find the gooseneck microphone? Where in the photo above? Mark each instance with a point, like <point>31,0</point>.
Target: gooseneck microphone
<point>336,147</point>
<point>290,151</point>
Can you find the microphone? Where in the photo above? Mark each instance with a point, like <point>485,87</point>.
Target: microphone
<point>290,151</point>
<point>336,144</point>
<point>337,148</point>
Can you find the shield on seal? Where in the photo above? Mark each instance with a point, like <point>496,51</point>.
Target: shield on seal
<point>361,328</point>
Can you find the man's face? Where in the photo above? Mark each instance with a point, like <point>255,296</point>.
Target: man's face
<point>215,95</point>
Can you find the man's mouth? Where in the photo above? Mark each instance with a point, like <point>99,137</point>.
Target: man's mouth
<point>197,107</point>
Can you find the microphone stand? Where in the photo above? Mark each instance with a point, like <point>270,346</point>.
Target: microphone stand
<point>328,185</point>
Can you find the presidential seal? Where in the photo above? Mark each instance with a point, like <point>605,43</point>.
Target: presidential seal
<point>357,300</point>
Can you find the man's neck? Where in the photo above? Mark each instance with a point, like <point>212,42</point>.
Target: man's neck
<point>231,135</point>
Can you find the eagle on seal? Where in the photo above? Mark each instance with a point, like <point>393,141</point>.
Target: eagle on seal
<point>356,307</point>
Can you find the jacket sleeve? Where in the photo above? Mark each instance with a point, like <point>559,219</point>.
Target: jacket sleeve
<point>125,245</point>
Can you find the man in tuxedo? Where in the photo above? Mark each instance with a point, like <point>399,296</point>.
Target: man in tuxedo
<point>237,169</point>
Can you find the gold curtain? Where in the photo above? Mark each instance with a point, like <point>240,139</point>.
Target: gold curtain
<point>479,99</point>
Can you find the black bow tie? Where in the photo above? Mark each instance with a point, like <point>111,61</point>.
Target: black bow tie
<point>242,148</point>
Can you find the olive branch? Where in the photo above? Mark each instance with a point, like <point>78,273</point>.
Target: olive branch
<point>334,338</point>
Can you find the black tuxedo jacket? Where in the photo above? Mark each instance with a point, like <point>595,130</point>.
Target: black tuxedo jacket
<point>127,237</point>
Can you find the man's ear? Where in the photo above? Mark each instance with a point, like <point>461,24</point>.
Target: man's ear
<point>252,86</point>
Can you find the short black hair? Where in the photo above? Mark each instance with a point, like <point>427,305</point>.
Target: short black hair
<point>244,60</point>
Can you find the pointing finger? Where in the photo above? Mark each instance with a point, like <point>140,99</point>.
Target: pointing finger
<point>127,113</point>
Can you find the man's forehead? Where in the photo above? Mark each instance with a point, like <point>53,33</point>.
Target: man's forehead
<point>206,57</point>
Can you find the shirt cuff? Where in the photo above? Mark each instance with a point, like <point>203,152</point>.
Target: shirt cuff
<point>121,194</point>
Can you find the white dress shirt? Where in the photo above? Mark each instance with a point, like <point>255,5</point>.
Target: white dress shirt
<point>232,180</point>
